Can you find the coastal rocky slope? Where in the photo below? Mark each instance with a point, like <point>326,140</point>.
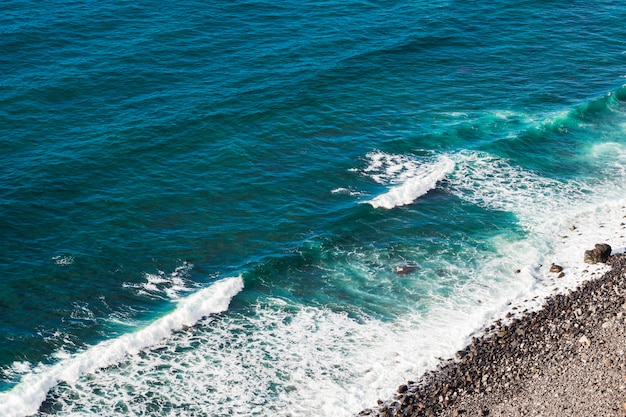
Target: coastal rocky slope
<point>566,359</point>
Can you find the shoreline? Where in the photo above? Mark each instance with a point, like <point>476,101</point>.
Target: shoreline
<point>567,358</point>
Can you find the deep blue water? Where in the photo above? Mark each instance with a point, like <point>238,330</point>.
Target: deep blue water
<point>203,205</point>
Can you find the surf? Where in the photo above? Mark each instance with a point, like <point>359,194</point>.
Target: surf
<point>415,178</point>
<point>26,397</point>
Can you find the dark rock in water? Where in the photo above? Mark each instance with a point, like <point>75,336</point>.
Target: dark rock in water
<point>556,268</point>
<point>405,269</point>
<point>601,254</point>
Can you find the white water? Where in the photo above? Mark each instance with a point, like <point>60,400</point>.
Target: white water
<point>415,179</point>
<point>25,398</point>
<point>289,360</point>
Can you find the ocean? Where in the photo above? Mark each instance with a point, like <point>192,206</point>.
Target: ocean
<point>253,208</point>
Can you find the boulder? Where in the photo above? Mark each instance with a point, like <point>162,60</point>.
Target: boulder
<point>405,269</point>
<point>600,253</point>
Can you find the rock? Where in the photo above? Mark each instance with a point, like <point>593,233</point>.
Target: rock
<point>402,388</point>
<point>405,269</point>
<point>584,340</point>
<point>556,268</point>
<point>599,254</point>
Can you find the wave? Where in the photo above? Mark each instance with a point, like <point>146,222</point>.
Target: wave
<point>416,178</point>
<point>607,103</point>
<point>319,359</point>
<point>479,178</point>
<point>285,358</point>
<point>26,397</point>
<point>495,183</point>
<point>596,111</point>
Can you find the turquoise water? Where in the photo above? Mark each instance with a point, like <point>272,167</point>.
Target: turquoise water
<point>204,205</point>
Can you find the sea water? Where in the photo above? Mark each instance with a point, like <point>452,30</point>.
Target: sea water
<point>204,206</point>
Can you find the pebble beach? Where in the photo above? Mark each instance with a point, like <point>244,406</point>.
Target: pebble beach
<point>567,358</point>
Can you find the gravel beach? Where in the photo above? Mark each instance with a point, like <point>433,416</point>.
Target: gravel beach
<point>566,359</point>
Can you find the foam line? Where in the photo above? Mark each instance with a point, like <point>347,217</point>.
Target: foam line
<point>424,178</point>
<point>26,397</point>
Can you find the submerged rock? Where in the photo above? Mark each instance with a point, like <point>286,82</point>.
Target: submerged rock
<point>405,269</point>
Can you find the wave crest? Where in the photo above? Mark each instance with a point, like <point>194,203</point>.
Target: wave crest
<point>418,179</point>
<point>25,398</point>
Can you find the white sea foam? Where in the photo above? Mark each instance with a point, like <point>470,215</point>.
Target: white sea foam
<point>25,398</point>
<point>63,259</point>
<point>414,178</point>
<point>346,191</point>
<point>286,359</point>
<point>611,153</point>
<point>385,168</point>
<point>164,285</point>
<point>563,219</point>
<point>494,183</point>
